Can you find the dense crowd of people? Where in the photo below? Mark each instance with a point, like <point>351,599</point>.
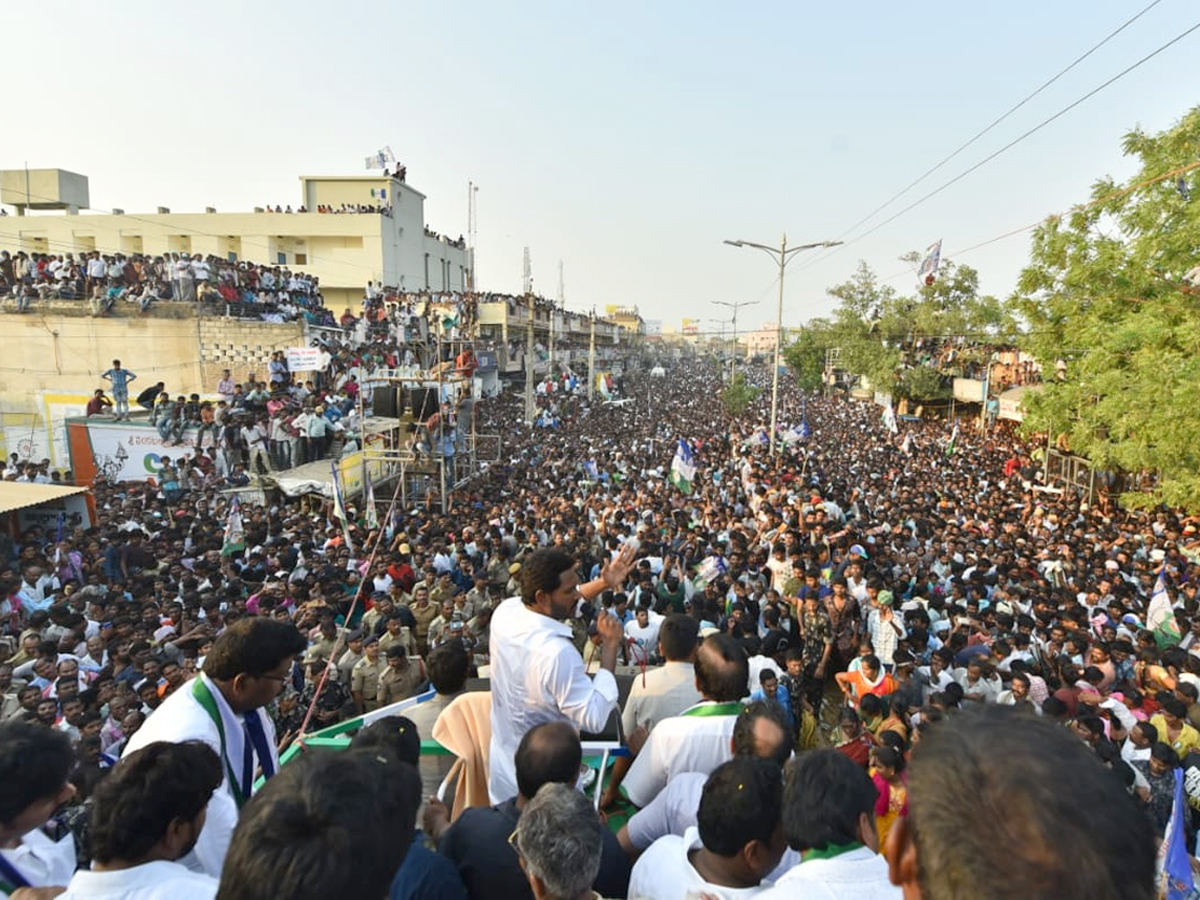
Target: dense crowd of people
<point>104,280</point>
<point>846,670</point>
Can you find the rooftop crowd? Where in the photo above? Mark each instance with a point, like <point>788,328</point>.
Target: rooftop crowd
<point>856,666</point>
<point>104,280</point>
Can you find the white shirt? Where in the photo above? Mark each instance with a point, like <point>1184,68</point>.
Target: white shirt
<point>43,862</point>
<point>664,872</point>
<point>158,880</point>
<point>182,718</point>
<point>537,676</point>
<point>664,692</point>
<point>683,743</point>
<point>856,875</point>
<point>644,639</point>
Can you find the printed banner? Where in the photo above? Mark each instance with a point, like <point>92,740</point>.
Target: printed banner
<point>305,359</point>
<point>122,451</point>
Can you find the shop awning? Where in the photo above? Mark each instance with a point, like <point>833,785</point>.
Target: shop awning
<point>19,494</point>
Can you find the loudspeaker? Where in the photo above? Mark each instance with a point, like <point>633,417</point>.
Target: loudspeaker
<point>383,402</point>
<point>424,402</point>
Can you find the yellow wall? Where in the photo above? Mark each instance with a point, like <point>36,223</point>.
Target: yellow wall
<point>341,250</point>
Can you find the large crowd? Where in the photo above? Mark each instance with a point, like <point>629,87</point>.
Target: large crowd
<point>875,664</point>
<point>105,280</point>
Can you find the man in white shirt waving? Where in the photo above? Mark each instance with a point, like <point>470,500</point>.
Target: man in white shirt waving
<point>537,673</point>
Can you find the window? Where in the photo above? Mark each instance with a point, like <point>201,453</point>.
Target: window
<point>302,259</point>
<point>281,259</point>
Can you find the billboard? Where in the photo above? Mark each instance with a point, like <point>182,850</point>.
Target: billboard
<point>120,451</point>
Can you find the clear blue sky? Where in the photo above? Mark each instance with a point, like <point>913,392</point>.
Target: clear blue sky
<point>626,139</point>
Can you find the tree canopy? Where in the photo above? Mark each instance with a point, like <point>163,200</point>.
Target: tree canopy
<point>892,339</point>
<point>1114,319</point>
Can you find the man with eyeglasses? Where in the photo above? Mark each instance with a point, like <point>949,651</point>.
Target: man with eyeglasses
<point>224,707</point>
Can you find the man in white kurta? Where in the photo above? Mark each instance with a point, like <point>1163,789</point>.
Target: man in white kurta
<point>248,664</point>
<point>538,674</point>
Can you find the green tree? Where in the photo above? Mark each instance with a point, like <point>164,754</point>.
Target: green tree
<point>805,355</point>
<point>890,338</point>
<point>1115,323</point>
<point>737,395</point>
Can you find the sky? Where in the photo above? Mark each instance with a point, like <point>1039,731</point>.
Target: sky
<point>627,140</point>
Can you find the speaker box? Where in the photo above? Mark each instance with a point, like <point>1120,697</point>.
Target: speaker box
<point>424,402</point>
<point>383,402</point>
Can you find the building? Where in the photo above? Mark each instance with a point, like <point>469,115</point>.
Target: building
<point>762,340</point>
<point>392,245</point>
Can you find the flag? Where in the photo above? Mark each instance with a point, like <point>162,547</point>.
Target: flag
<point>927,274</point>
<point>889,418</point>
<point>602,386</point>
<point>710,569</point>
<point>590,469</point>
<point>794,434</point>
<point>906,447</point>
<point>235,534</point>
<point>683,467</point>
<point>339,505</point>
<point>805,431</point>
<point>372,514</point>
<point>1175,881</point>
<point>381,159</point>
<point>953,439</point>
<point>1160,614</point>
<point>62,520</point>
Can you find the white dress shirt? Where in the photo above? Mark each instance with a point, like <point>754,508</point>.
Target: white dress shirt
<point>182,718</point>
<point>41,861</point>
<point>158,880</point>
<point>662,693</point>
<point>537,676</point>
<point>683,743</point>
<point>675,810</point>
<point>861,874</point>
<point>664,872</point>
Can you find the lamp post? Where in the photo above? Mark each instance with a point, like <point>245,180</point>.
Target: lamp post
<point>720,340</point>
<point>735,306</point>
<point>782,255</point>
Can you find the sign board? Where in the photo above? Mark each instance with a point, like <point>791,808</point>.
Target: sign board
<point>968,390</point>
<point>305,359</point>
<point>1010,404</point>
<point>120,451</point>
<point>73,509</point>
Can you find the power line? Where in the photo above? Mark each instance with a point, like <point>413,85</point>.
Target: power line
<point>1113,195</point>
<point>1001,118</point>
<point>1030,132</point>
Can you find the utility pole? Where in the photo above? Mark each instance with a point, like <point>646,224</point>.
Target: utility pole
<point>591,390</point>
<point>529,394</point>
<point>529,360</point>
<point>782,255</point>
<point>472,199</point>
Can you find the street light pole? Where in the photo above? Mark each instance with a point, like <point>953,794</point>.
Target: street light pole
<point>782,255</point>
<point>735,306</point>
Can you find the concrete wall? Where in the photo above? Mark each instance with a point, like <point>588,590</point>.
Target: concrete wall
<point>242,347</point>
<point>54,357</point>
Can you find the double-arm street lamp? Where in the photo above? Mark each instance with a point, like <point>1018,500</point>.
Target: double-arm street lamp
<point>782,255</point>
<point>735,306</point>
